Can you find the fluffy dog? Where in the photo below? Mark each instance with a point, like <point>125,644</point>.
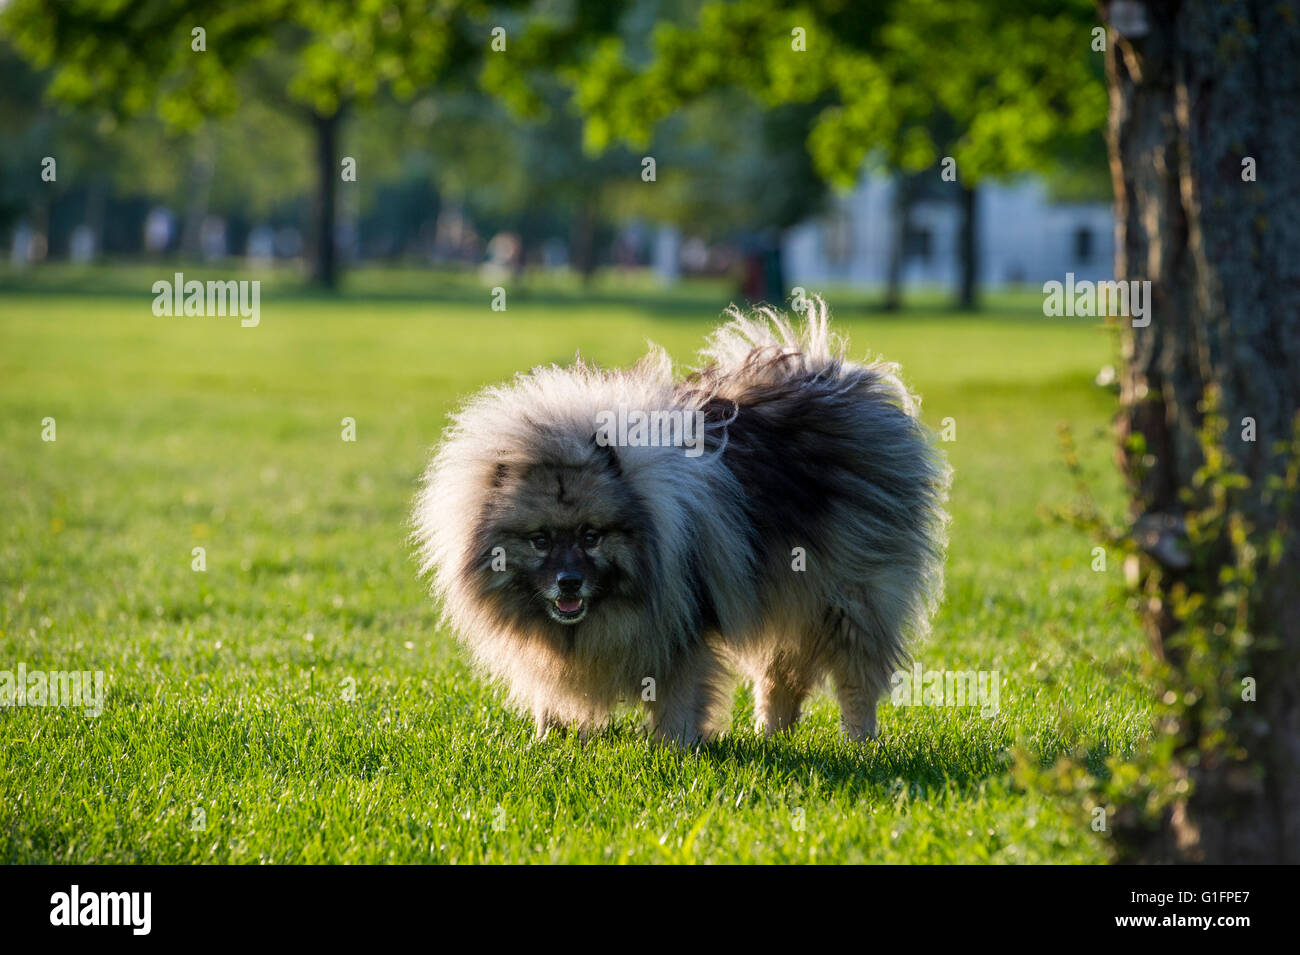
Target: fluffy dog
<point>601,536</point>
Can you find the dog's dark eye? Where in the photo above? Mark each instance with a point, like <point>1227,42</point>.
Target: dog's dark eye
<point>591,538</point>
<point>540,542</point>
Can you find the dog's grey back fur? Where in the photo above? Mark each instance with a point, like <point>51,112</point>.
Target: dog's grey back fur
<point>807,541</point>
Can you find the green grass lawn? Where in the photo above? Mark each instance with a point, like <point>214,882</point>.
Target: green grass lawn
<point>225,690</point>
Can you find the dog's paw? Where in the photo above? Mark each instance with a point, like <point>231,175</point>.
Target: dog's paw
<point>543,724</point>
<point>866,732</point>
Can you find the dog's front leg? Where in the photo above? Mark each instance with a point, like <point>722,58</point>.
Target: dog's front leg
<point>676,720</point>
<point>584,725</point>
<point>686,699</point>
<point>541,724</point>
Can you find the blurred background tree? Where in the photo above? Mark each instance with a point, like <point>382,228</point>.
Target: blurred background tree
<point>897,86</point>
<point>752,110</point>
<point>312,60</point>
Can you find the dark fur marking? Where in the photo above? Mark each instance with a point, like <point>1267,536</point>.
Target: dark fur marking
<point>608,454</point>
<point>815,424</point>
<point>704,602</point>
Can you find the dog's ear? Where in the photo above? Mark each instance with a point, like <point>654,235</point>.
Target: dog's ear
<point>609,454</point>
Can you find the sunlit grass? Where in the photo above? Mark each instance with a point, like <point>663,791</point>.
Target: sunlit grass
<point>226,689</point>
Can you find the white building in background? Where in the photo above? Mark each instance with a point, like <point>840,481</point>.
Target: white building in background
<point>1023,237</point>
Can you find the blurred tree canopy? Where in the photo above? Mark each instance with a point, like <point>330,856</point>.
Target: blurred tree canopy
<point>902,83</point>
<point>185,60</point>
<point>750,108</point>
<point>896,84</point>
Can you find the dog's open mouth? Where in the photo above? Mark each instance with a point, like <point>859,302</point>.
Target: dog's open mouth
<point>567,609</point>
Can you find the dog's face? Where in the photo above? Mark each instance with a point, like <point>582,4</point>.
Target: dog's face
<point>561,541</point>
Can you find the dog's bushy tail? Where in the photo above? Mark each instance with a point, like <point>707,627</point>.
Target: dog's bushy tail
<point>732,345</point>
<point>865,419</point>
<point>767,341</point>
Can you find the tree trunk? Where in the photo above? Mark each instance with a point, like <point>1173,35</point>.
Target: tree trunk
<point>324,257</point>
<point>583,240</point>
<point>904,190</point>
<point>774,268</point>
<point>96,204</point>
<point>42,217</point>
<point>1196,88</point>
<point>968,250</point>
<point>200,188</point>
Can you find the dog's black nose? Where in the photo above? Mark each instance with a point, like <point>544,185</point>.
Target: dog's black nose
<point>568,582</point>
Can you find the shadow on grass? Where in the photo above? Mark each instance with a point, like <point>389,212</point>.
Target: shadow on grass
<point>894,764</point>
